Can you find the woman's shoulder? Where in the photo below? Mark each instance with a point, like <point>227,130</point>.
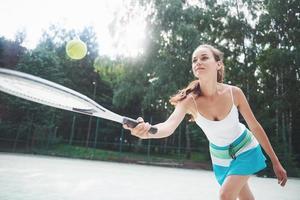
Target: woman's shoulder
<point>234,88</point>
<point>237,93</point>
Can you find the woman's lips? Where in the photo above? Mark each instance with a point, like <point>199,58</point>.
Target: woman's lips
<point>199,68</point>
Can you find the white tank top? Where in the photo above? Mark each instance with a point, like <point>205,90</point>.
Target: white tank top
<point>223,132</point>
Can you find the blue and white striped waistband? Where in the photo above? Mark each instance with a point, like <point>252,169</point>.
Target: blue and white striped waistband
<point>222,155</point>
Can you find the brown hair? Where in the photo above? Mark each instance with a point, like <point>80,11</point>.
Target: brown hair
<point>194,86</point>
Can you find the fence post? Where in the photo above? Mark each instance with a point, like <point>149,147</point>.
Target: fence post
<point>96,133</point>
<point>28,135</point>
<point>121,140</point>
<point>149,144</point>
<point>179,142</point>
<point>16,139</point>
<point>96,137</point>
<point>72,130</point>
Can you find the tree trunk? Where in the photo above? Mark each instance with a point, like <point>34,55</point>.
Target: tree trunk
<point>283,116</point>
<point>290,129</point>
<point>283,133</point>
<point>276,109</point>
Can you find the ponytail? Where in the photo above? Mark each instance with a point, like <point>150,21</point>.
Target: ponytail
<point>193,87</point>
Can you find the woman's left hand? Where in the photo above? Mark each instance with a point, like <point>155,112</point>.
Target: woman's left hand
<point>280,173</point>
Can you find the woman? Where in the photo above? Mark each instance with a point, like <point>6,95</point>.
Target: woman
<point>214,106</point>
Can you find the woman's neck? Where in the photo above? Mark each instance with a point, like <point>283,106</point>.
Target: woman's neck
<point>209,89</point>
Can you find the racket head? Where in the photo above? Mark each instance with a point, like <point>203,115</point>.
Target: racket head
<point>45,92</point>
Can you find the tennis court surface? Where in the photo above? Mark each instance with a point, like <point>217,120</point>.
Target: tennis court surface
<point>32,177</point>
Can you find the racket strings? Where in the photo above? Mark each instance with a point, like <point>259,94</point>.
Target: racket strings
<point>42,91</point>
<point>42,94</point>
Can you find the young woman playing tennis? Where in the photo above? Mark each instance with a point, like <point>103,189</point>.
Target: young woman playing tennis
<point>235,151</point>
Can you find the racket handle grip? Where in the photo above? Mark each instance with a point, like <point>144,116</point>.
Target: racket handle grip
<point>133,123</point>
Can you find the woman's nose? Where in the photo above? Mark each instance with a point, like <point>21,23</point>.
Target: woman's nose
<point>199,62</point>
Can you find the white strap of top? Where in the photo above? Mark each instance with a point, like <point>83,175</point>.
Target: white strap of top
<point>231,95</point>
<point>195,103</point>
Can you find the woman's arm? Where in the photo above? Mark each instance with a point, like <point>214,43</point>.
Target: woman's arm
<point>259,133</point>
<point>166,128</point>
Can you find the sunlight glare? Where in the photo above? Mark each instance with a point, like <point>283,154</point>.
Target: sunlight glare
<point>35,16</point>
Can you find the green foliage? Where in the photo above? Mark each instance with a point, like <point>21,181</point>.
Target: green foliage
<point>111,71</point>
<point>258,59</point>
<point>260,40</point>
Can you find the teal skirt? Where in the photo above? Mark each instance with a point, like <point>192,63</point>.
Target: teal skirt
<point>246,163</point>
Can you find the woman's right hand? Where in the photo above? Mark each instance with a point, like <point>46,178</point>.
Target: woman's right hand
<point>141,130</point>
<point>280,173</point>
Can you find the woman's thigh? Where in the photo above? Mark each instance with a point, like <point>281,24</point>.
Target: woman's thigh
<point>232,186</point>
<point>245,193</point>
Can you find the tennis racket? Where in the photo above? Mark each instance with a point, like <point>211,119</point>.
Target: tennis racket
<point>45,92</point>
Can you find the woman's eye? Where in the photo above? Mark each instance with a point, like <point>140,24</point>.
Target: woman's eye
<point>194,60</point>
<point>204,58</point>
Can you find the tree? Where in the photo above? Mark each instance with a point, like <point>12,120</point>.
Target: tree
<point>279,68</point>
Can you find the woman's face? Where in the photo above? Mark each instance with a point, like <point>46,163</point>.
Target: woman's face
<point>204,64</point>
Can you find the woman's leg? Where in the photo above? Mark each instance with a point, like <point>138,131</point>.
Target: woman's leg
<point>245,193</point>
<point>232,186</point>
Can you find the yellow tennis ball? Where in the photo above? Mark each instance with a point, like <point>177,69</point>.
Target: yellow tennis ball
<point>76,49</point>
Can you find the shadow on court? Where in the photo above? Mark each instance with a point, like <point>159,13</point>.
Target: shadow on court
<point>31,177</point>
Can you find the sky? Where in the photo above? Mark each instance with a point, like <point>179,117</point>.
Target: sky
<point>34,16</point>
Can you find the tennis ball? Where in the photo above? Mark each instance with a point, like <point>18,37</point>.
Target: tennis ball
<point>76,49</point>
